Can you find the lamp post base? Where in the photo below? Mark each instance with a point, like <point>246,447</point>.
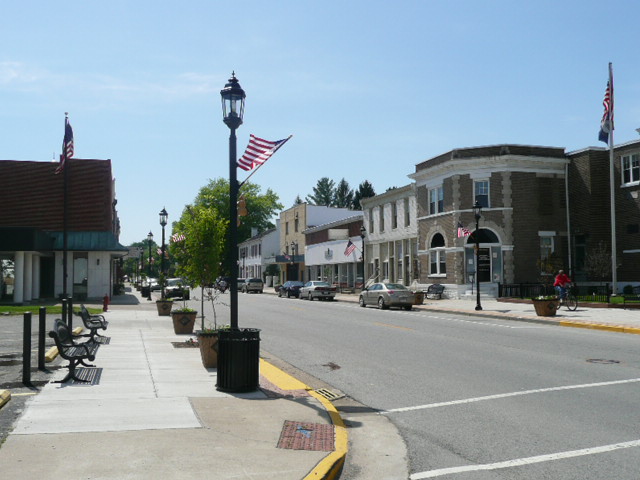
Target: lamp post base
<point>478,307</point>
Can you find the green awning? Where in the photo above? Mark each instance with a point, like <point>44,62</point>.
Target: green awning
<point>88,242</point>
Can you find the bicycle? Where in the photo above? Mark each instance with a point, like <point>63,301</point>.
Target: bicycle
<point>568,300</point>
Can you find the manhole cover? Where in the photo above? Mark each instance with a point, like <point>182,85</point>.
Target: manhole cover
<point>602,361</point>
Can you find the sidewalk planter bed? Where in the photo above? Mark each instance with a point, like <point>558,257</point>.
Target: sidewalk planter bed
<point>208,342</point>
<point>164,307</point>
<point>545,307</point>
<point>183,320</point>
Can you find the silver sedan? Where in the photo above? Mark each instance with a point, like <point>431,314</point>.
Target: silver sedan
<point>386,295</point>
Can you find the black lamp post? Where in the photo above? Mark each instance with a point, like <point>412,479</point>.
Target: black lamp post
<point>244,254</point>
<point>363,231</point>
<point>150,239</point>
<point>163,223</point>
<point>477,210</point>
<point>293,261</point>
<point>232,111</point>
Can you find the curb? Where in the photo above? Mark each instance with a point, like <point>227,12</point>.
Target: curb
<point>330,466</point>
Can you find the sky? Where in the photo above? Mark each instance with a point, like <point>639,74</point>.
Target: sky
<point>368,89</point>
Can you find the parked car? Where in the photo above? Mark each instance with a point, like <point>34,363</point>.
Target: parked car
<point>241,282</point>
<point>176,288</point>
<point>154,283</point>
<point>317,289</point>
<point>386,295</point>
<point>290,289</point>
<point>252,285</point>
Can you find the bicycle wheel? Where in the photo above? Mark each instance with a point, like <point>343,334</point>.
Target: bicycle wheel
<point>571,302</point>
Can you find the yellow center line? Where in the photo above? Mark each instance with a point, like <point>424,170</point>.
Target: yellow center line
<point>392,326</point>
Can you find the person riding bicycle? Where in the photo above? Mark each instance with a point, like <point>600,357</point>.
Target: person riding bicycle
<point>562,283</point>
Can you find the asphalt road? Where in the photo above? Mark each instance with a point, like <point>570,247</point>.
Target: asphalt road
<point>472,398</point>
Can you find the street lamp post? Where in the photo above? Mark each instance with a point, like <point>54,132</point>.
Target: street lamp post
<point>244,271</point>
<point>232,111</point>
<point>477,210</point>
<point>363,231</point>
<point>293,261</point>
<point>150,239</point>
<point>163,223</point>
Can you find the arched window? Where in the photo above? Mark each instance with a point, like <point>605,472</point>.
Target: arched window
<point>437,256</point>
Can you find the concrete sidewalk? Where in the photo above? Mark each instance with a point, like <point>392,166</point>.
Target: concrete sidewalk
<point>585,316</point>
<point>151,410</point>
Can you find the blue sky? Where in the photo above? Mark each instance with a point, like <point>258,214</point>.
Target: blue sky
<point>367,88</point>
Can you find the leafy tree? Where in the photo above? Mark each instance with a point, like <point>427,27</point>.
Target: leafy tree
<point>597,262</point>
<point>260,207</point>
<point>365,190</point>
<point>343,197</point>
<point>323,193</point>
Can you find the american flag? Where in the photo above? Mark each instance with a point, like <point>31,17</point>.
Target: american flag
<point>67,145</point>
<point>463,232</point>
<point>606,124</point>
<point>350,248</point>
<point>258,151</point>
<point>178,237</point>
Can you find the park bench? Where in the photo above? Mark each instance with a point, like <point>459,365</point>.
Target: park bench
<point>435,291</point>
<point>76,353</point>
<point>93,323</point>
<point>631,298</point>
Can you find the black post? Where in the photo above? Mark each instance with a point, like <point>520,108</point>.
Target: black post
<point>150,238</point>
<point>42,325</point>
<point>233,226</point>
<point>477,208</point>
<point>362,233</point>
<point>162,266</point>
<point>64,309</point>
<point>26,349</point>
<point>70,312</point>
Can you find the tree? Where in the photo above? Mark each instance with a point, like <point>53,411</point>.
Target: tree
<point>365,190</point>
<point>597,262</point>
<point>260,207</point>
<point>297,201</point>
<point>343,196</point>
<point>323,193</point>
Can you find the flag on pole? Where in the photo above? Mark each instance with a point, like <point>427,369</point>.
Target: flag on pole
<point>67,145</point>
<point>462,231</point>
<point>178,237</point>
<point>350,248</point>
<point>606,124</point>
<point>259,151</point>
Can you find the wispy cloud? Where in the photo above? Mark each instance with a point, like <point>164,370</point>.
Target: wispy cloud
<point>137,87</point>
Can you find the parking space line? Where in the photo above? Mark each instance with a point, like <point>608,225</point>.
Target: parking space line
<point>518,462</point>
<point>510,394</point>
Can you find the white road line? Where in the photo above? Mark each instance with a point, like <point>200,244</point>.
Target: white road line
<point>510,394</point>
<point>524,461</point>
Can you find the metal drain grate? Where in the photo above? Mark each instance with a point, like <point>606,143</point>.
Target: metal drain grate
<point>328,394</point>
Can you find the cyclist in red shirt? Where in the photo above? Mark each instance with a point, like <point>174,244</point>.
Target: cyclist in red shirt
<point>562,283</point>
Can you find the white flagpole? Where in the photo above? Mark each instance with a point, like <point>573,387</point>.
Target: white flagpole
<point>614,261</point>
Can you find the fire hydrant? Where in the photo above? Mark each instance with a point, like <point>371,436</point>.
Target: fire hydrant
<point>105,303</point>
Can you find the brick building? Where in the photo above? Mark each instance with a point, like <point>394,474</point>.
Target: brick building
<point>538,203</point>
<point>31,230</point>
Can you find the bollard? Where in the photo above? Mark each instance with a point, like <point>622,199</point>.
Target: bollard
<point>70,313</point>
<point>26,349</point>
<point>42,325</point>
<point>64,309</point>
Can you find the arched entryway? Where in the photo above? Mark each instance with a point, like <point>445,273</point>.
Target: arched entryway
<point>489,267</point>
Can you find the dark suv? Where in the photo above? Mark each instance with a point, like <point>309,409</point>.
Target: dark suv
<point>290,289</point>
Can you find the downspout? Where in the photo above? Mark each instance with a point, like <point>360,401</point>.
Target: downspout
<point>568,210</point>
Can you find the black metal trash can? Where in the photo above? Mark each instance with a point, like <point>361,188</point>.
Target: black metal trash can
<point>144,291</point>
<point>238,360</point>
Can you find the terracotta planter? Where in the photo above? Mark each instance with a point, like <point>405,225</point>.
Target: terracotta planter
<point>545,308</point>
<point>164,307</point>
<point>183,322</point>
<point>208,343</point>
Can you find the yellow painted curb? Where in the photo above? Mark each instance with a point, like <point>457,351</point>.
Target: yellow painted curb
<point>5,396</point>
<point>598,326</point>
<point>329,466</point>
<point>52,353</point>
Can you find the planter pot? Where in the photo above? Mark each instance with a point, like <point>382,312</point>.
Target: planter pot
<point>164,307</point>
<point>183,322</point>
<point>545,308</point>
<point>208,343</point>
